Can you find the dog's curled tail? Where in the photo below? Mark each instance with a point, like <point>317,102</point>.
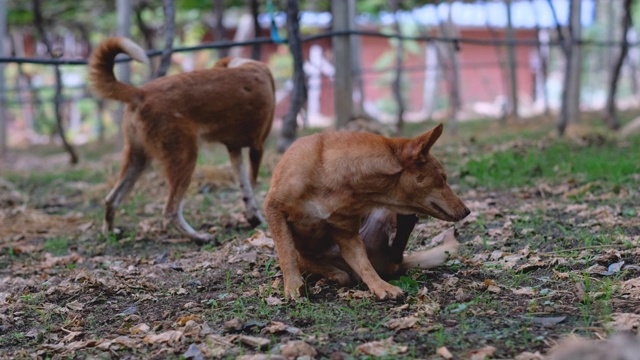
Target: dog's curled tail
<point>101,76</point>
<point>433,257</point>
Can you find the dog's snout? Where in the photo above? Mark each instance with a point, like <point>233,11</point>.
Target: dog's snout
<point>466,211</point>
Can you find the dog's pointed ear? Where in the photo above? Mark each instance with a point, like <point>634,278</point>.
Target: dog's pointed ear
<point>419,147</point>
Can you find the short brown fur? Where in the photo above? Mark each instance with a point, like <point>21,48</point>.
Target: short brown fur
<point>326,184</point>
<point>232,103</point>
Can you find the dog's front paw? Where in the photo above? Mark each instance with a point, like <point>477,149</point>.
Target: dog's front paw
<point>387,291</point>
<point>293,288</point>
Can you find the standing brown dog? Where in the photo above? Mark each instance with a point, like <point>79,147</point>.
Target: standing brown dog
<point>232,103</point>
<point>326,184</point>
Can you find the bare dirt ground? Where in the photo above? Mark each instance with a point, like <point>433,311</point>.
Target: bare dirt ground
<point>537,263</point>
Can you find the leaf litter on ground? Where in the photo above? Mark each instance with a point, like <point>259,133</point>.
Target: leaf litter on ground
<point>530,256</point>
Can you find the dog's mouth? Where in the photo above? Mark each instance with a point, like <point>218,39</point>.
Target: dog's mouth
<point>439,212</point>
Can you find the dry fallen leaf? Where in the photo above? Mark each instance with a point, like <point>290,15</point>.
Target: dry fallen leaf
<point>249,257</point>
<point>561,275</point>
<point>184,319</point>
<point>260,240</point>
<point>355,294</point>
<point>386,347</point>
<point>529,356</point>
<point>483,353</point>
<point>167,337</point>
<point>625,321</point>
<point>234,324</point>
<point>444,352</point>
<point>631,287</point>
<point>297,348</point>
<point>254,341</point>
<point>71,336</point>
<point>462,295</point>
<point>277,327</point>
<point>402,323</point>
<point>141,328</point>
<point>524,291</point>
<point>120,341</point>
<point>218,345</point>
<point>273,301</point>
<point>76,306</point>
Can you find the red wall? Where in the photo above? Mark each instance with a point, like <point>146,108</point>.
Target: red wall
<point>481,75</point>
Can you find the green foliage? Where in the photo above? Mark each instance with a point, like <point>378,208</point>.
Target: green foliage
<point>407,284</point>
<point>556,162</point>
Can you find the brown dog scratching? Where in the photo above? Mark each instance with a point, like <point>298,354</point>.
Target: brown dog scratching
<point>326,184</point>
<point>232,103</point>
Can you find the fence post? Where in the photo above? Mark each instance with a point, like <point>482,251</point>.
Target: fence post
<point>3,119</point>
<point>342,13</point>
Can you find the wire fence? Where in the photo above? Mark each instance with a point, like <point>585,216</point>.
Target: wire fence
<point>364,74</point>
<point>331,34</point>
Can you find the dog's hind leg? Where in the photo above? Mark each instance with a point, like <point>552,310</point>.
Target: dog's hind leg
<point>436,256</point>
<point>179,166</point>
<point>251,209</point>
<point>324,268</point>
<point>255,157</point>
<point>354,252</point>
<point>404,227</point>
<point>135,161</point>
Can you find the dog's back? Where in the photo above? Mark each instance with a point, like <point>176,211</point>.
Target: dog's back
<point>232,103</point>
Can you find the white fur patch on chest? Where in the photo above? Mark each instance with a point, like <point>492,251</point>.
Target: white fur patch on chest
<point>317,210</point>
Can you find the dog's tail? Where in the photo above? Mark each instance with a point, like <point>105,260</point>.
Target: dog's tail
<point>433,257</point>
<point>103,81</point>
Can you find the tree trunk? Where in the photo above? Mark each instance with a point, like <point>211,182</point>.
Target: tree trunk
<point>123,10</point>
<point>39,24</point>
<point>610,25</point>
<point>356,67</point>
<point>219,30</point>
<point>569,110</point>
<point>3,119</point>
<point>169,30</point>
<point>299,93</point>
<point>397,77</point>
<point>147,32</point>
<point>633,59</point>
<point>343,77</point>
<point>543,58</point>
<point>504,64</point>
<point>16,40</point>
<point>612,120</point>
<point>257,31</point>
<point>431,75</point>
<point>453,75</point>
<point>513,75</point>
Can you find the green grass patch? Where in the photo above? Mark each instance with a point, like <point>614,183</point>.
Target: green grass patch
<point>56,246</point>
<point>36,179</point>
<point>559,161</point>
